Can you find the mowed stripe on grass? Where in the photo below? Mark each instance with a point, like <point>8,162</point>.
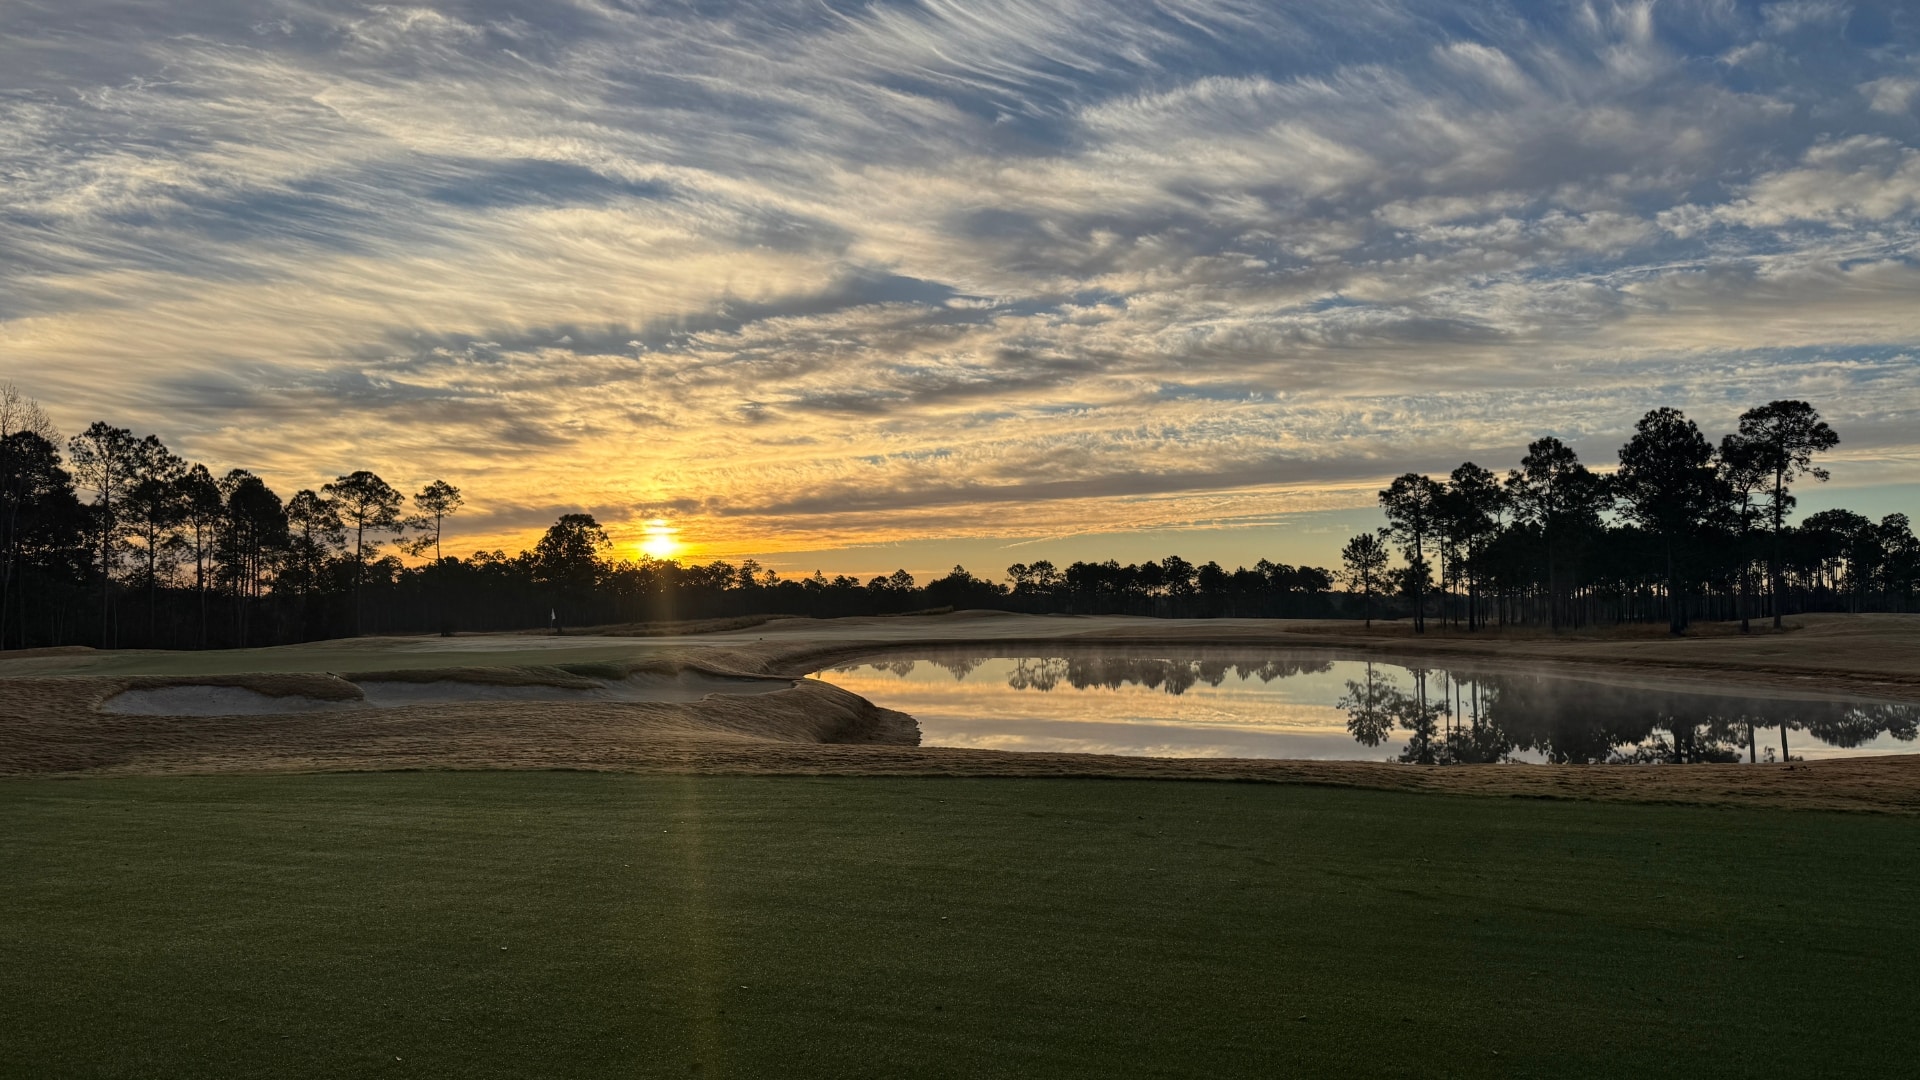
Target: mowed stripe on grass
<point>568,924</point>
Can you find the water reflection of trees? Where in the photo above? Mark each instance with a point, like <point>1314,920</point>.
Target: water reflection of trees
<point>1459,718</point>
<point>898,666</point>
<point>1174,675</point>
<point>1464,716</point>
<point>1376,707</point>
<point>1863,724</point>
<point>959,666</point>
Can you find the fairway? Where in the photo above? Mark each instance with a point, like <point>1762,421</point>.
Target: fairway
<point>560,924</point>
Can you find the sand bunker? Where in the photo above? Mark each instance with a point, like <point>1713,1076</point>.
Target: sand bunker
<point>216,700</point>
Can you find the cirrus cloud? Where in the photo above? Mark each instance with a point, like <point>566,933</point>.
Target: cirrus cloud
<point>802,273</point>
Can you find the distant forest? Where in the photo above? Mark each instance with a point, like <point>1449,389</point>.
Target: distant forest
<point>1682,529</point>
<point>112,540</point>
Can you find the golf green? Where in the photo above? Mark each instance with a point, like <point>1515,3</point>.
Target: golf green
<point>571,924</point>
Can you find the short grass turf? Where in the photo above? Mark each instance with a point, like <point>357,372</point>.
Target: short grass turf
<point>562,925</point>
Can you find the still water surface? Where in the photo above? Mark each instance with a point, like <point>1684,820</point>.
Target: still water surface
<point>1328,705</point>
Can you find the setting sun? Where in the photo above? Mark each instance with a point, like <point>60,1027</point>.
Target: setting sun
<point>661,540</point>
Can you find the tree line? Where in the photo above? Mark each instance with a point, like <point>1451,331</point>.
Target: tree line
<point>110,539</point>
<point>119,541</point>
<point>1682,529</point>
<point>1169,588</point>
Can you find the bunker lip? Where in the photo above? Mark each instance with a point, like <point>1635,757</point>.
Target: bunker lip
<point>267,695</point>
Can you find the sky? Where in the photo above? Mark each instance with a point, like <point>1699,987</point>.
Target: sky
<point>853,286</point>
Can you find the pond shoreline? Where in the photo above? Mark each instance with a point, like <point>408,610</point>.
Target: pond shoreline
<point>50,725</point>
<point>1571,656</point>
<point>1139,698</point>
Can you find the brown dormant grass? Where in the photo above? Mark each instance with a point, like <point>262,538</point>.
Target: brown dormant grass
<point>52,725</point>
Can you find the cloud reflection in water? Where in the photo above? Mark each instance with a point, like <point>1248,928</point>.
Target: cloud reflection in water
<point>1306,704</point>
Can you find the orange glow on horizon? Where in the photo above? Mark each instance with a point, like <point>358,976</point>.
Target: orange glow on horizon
<point>660,540</point>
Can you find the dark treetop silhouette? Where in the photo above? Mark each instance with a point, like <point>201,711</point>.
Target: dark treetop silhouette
<point>119,542</point>
<point>1673,534</point>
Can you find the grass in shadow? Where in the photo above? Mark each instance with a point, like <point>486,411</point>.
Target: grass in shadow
<point>556,924</point>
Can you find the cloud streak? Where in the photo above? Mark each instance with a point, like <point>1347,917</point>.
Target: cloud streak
<point>800,274</point>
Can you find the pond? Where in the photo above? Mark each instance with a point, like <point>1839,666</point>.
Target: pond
<point>1158,702</point>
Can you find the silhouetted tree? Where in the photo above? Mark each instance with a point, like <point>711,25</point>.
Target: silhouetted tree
<point>21,415</point>
<point>1743,473</point>
<point>316,537</point>
<point>433,505</point>
<point>366,504</point>
<point>961,589</point>
<point>1780,439</point>
<point>1901,570</point>
<point>1412,505</point>
<point>154,512</point>
<point>1552,491</point>
<point>1667,485</point>
<point>253,535</point>
<point>1365,561</point>
<point>1177,576</point>
<point>1850,544</point>
<point>202,509</point>
<point>1039,579</point>
<point>18,413</point>
<point>38,512</point>
<point>1471,508</point>
<point>104,459</point>
<point>567,560</point>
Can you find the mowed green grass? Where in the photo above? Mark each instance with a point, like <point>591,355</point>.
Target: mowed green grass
<point>562,925</point>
